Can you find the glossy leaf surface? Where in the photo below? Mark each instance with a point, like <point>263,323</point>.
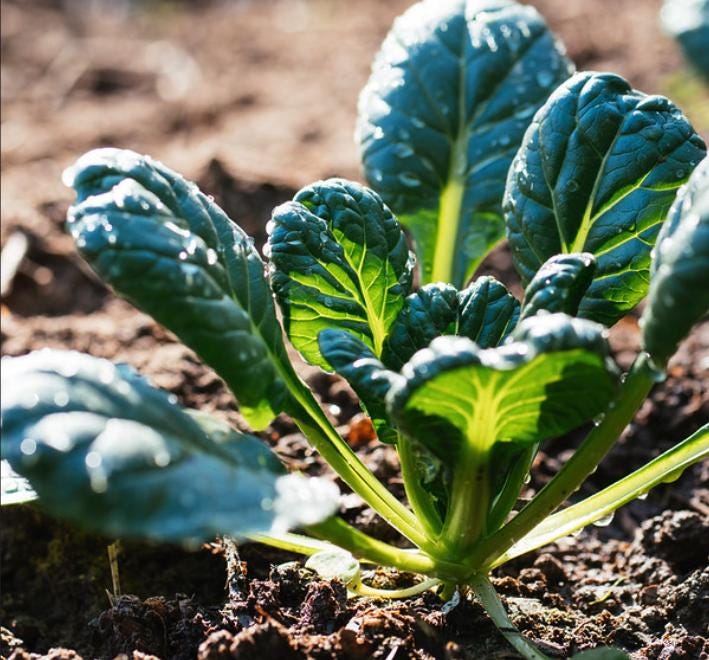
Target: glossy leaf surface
<point>485,312</point>
<point>559,285</point>
<point>369,378</point>
<point>597,171</point>
<point>171,251</point>
<point>679,284</point>
<point>340,261</point>
<point>450,95</point>
<point>108,451</point>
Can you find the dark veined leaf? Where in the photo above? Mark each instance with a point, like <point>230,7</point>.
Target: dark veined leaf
<point>597,172</point>
<point>370,379</point>
<point>688,23</point>
<point>679,283</point>
<point>106,450</point>
<point>451,93</point>
<point>165,246</point>
<point>428,313</point>
<point>485,312</point>
<point>478,409</point>
<point>559,285</point>
<point>339,260</point>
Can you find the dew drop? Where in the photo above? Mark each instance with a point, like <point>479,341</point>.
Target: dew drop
<point>378,133</point>
<point>605,521</point>
<point>545,78</point>
<point>61,399</point>
<point>212,257</point>
<point>572,185</point>
<point>28,446</point>
<point>409,180</point>
<point>93,460</point>
<point>182,256</point>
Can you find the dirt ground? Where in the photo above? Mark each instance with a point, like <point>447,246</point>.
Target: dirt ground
<point>254,99</point>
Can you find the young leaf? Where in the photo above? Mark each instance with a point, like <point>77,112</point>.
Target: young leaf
<point>451,93</point>
<point>335,564</point>
<point>369,378</point>
<point>340,260</point>
<point>115,455</point>
<point>173,253</point>
<point>679,281</point>
<point>559,285</point>
<point>485,312</point>
<point>573,187</point>
<point>428,313</point>
<point>461,401</point>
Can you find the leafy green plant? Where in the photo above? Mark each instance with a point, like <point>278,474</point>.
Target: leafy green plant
<point>465,381</point>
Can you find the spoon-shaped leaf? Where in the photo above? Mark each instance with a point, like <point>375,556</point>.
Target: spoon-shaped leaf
<point>679,283</point>
<point>339,260</point>
<point>559,285</point>
<point>471,407</point>
<point>105,449</point>
<point>597,171</point>
<point>451,93</point>
<point>171,251</point>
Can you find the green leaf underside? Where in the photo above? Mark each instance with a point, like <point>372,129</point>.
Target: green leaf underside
<point>369,378</point>
<point>679,282</point>
<point>107,450</point>
<point>554,377</point>
<point>451,93</point>
<point>559,285</point>
<point>481,411</point>
<point>167,248</point>
<point>597,171</point>
<point>485,312</point>
<point>340,261</point>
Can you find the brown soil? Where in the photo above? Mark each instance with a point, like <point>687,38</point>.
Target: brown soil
<point>270,106</point>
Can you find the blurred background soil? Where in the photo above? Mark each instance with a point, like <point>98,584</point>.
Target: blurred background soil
<point>253,99</point>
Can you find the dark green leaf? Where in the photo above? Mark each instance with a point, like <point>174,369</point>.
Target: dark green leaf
<point>430,312</point>
<point>369,378</point>
<point>559,285</point>
<point>597,172</point>
<point>451,93</point>
<point>173,252</point>
<point>108,451</point>
<point>679,283</point>
<point>485,312</point>
<point>340,261</point>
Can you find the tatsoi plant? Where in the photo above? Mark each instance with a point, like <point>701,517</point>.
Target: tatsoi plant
<point>461,138</point>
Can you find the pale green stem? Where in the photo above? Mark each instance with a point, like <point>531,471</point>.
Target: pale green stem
<point>489,599</point>
<point>338,454</point>
<point>421,501</point>
<point>596,507</point>
<point>364,590</point>
<point>600,439</point>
